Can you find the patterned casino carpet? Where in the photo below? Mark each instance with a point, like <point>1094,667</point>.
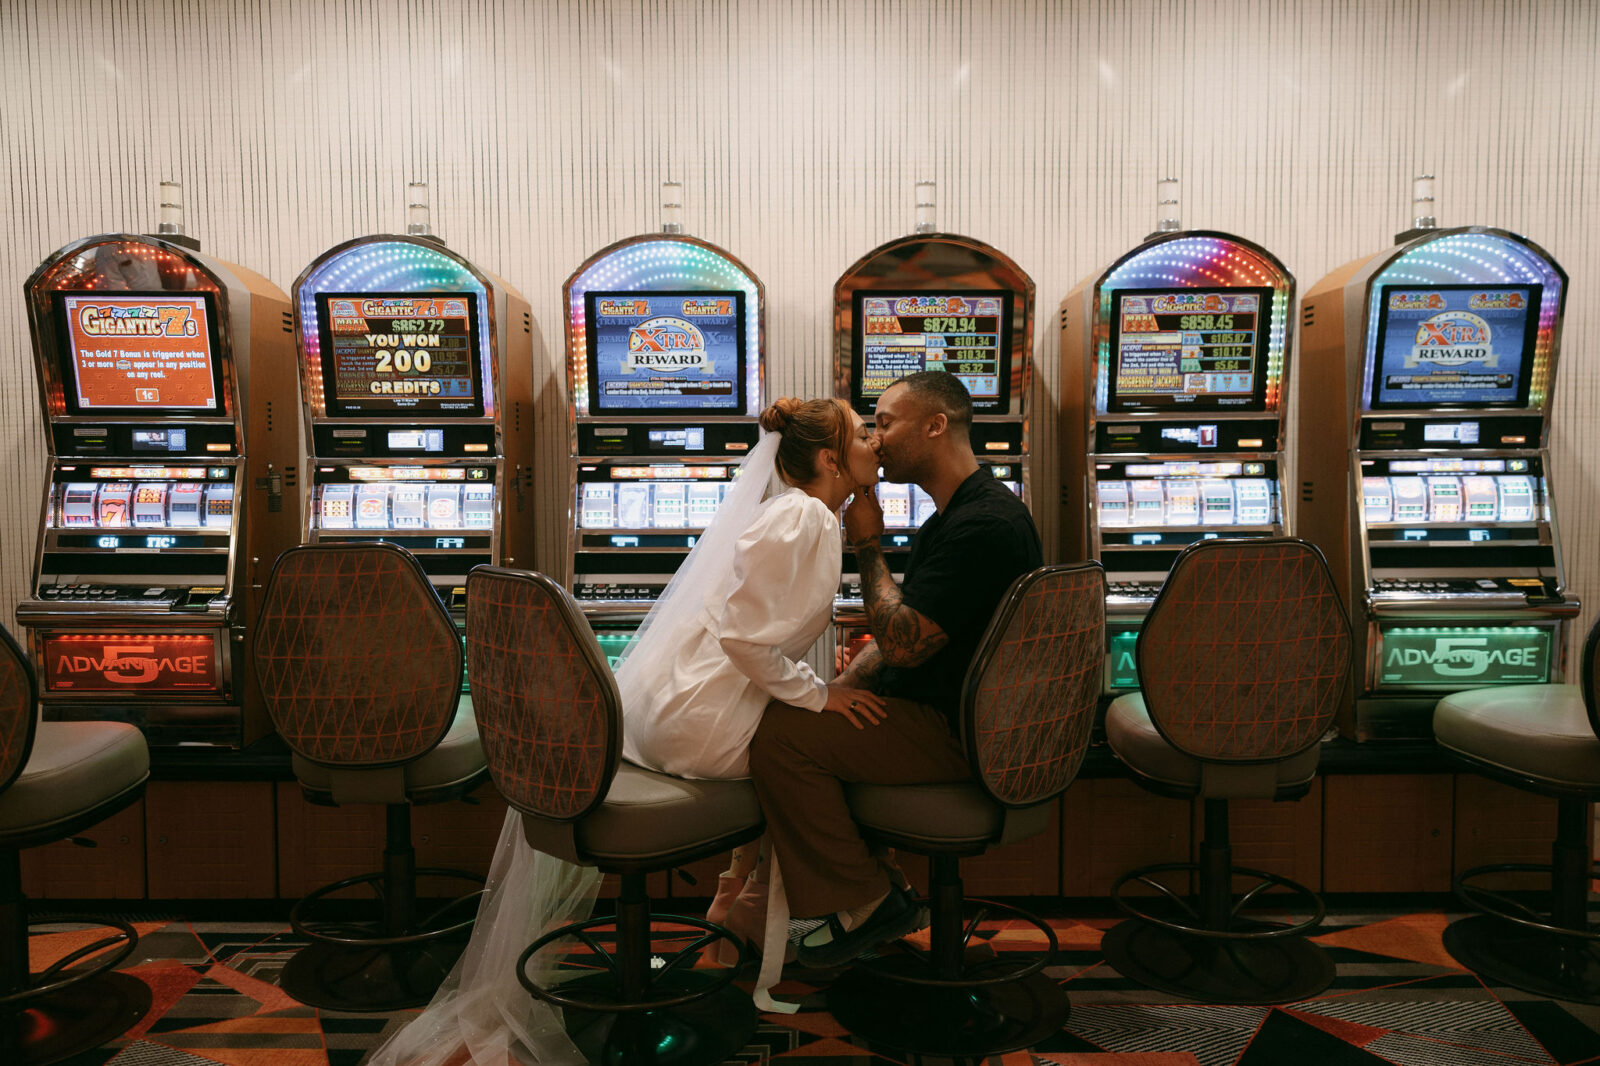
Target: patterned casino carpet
<point>1399,998</point>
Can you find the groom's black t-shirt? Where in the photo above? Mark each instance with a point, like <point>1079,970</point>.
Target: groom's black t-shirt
<point>962,561</point>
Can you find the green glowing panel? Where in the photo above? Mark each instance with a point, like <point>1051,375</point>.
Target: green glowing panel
<point>1122,672</point>
<point>613,644</point>
<point>1462,656</point>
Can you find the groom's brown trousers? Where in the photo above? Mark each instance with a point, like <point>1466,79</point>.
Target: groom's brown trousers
<point>800,761</point>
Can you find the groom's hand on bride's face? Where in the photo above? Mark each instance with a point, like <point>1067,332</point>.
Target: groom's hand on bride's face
<point>863,519</point>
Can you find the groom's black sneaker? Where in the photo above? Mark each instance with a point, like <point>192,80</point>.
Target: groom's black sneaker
<point>830,945</point>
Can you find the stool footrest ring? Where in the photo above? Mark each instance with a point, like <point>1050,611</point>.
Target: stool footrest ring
<point>1499,905</point>
<point>608,998</point>
<point>363,934</point>
<point>1260,931</point>
<point>125,934</point>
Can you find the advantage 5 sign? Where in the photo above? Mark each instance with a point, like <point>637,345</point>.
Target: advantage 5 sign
<point>1464,656</point>
<point>131,663</point>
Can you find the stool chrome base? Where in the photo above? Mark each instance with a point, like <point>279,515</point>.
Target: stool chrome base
<point>948,1022</point>
<point>1546,964</point>
<point>701,1032</point>
<point>393,962</point>
<point>58,1025</point>
<point>1260,971</point>
<point>367,979</point>
<point>645,1004</point>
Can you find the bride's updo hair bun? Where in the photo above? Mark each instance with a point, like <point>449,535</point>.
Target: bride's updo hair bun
<point>806,426</point>
<point>777,416</point>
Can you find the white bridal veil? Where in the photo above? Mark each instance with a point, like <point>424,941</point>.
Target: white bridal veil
<point>481,1015</point>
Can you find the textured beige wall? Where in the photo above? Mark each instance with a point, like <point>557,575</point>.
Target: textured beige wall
<point>798,129</point>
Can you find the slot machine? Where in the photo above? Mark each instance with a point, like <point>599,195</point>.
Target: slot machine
<point>666,375</point>
<point>416,372</point>
<point>1174,364</point>
<point>1429,370</point>
<point>933,301</point>
<point>162,373</point>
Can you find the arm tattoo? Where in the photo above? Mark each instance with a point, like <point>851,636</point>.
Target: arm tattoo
<point>904,636</point>
<point>864,668</point>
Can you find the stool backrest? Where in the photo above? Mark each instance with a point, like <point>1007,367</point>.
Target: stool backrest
<point>358,661</point>
<point>1246,651</point>
<point>548,710</point>
<point>1030,694</point>
<point>19,710</point>
<point>1587,674</point>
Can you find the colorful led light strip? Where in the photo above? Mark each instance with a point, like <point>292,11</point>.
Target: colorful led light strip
<point>390,266</point>
<point>656,264</point>
<point>1475,259</point>
<point>1197,263</point>
<point>106,266</point>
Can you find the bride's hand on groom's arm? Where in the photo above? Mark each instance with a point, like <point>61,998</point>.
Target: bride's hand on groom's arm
<point>855,704</point>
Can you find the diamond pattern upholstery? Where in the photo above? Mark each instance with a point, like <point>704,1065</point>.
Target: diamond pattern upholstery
<point>1246,651</point>
<point>357,659</point>
<point>1032,688</point>
<point>548,709</point>
<point>18,709</point>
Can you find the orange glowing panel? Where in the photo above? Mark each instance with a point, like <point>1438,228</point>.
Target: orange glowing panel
<point>150,352</point>
<point>131,663</point>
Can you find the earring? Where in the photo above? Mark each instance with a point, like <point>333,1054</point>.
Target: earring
<point>836,472</point>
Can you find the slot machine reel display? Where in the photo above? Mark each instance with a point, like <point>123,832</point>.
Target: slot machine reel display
<point>1174,365</point>
<point>169,485</point>
<point>1431,365</point>
<point>417,376</point>
<point>665,374</point>
<point>933,301</point>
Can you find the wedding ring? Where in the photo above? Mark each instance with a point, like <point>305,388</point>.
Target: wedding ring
<point>854,705</point>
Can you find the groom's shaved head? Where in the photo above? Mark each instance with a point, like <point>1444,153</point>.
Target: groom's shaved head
<point>938,391</point>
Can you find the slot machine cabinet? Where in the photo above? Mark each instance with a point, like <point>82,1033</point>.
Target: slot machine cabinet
<point>1428,374</point>
<point>1174,368</point>
<point>416,373</point>
<point>163,374</point>
<point>666,376</point>
<point>933,301</point>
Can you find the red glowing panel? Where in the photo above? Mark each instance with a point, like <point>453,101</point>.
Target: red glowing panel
<point>130,663</point>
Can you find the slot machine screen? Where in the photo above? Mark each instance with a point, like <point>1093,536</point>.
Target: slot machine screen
<point>395,354</point>
<point>666,352</point>
<point>965,333</point>
<point>1189,349</point>
<point>1455,345</point>
<point>150,352</point>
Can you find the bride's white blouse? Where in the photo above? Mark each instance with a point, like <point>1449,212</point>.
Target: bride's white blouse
<point>746,646</point>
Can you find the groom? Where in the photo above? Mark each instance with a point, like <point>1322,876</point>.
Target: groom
<point>926,632</point>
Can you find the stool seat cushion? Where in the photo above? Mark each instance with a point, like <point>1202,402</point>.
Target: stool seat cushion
<point>456,761</point>
<point>948,816</point>
<point>647,816</point>
<point>1540,732</point>
<point>1134,737</point>
<point>75,767</point>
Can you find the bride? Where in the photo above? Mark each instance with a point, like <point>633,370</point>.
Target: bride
<point>724,639</point>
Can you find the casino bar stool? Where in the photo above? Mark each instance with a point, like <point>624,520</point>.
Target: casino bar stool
<point>1242,661</point>
<point>360,667</point>
<point>1026,712</point>
<point>56,780</point>
<point>552,730</point>
<point>1545,739</point>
